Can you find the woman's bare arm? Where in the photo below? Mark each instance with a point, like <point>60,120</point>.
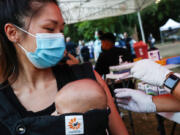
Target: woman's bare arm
<point>116,124</point>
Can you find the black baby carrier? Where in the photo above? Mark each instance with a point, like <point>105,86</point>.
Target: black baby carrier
<point>94,122</point>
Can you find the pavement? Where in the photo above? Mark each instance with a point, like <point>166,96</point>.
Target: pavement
<point>169,49</point>
<point>146,124</point>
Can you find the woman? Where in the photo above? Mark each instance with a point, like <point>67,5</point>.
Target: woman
<point>29,33</point>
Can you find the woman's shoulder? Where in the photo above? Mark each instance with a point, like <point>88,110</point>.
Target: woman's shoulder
<point>84,70</point>
<point>65,74</point>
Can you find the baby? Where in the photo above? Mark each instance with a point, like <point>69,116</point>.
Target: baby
<point>80,96</point>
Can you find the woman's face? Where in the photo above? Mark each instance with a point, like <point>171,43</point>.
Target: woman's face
<point>47,20</point>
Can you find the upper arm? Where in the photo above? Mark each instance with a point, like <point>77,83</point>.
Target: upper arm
<point>116,124</point>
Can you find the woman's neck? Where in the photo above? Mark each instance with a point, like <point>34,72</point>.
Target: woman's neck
<point>31,77</point>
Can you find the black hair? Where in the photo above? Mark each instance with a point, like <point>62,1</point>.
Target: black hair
<point>108,36</point>
<point>100,33</point>
<point>13,11</point>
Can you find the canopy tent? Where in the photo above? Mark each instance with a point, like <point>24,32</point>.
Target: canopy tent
<point>169,30</point>
<point>80,10</point>
<point>170,24</point>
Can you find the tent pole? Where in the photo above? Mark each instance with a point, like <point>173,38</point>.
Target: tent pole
<point>141,26</point>
<point>161,37</point>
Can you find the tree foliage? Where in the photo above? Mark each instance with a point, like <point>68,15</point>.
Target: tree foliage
<point>156,15</point>
<point>153,17</point>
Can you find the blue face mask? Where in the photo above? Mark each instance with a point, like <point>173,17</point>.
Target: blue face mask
<point>49,51</point>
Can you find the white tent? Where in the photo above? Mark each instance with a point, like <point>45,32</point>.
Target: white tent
<point>170,24</point>
<point>81,10</point>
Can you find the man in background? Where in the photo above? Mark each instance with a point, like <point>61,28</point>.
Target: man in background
<point>85,52</point>
<point>110,54</point>
<point>71,47</point>
<point>151,41</point>
<point>97,44</point>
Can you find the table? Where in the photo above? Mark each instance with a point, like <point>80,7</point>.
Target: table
<point>171,116</point>
<point>175,117</point>
<point>127,75</point>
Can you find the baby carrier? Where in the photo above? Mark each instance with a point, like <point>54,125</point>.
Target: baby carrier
<point>94,122</point>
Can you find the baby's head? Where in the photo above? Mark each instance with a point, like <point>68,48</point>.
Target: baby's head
<point>80,96</point>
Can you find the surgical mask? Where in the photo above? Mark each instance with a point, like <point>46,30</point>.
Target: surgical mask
<point>49,51</point>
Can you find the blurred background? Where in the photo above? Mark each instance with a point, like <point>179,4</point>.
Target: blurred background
<point>161,25</point>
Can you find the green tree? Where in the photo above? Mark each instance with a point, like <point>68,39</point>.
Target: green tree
<point>85,30</point>
<point>157,14</point>
<point>153,17</point>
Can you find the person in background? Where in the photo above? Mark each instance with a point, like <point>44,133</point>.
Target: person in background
<point>85,52</point>
<point>122,43</point>
<point>71,47</point>
<point>150,72</point>
<point>151,41</point>
<point>129,44</point>
<point>97,44</point>
<point>78,51</point>
<point>132,42</point>
<point>91,49</point>
<point>110,54</point>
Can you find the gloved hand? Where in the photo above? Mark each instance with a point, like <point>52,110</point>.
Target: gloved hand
<point>134,100</point>
<point>150,72</point>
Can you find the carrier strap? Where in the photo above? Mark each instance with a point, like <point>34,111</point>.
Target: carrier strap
<point>65,74</point>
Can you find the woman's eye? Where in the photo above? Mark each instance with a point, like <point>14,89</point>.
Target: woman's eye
<point>61,31</point>
<point>50,29</point>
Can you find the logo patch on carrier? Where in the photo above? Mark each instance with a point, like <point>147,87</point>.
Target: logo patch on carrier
<point>74,124</point>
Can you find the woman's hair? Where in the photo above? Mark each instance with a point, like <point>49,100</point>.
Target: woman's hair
<point>14,11</point>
